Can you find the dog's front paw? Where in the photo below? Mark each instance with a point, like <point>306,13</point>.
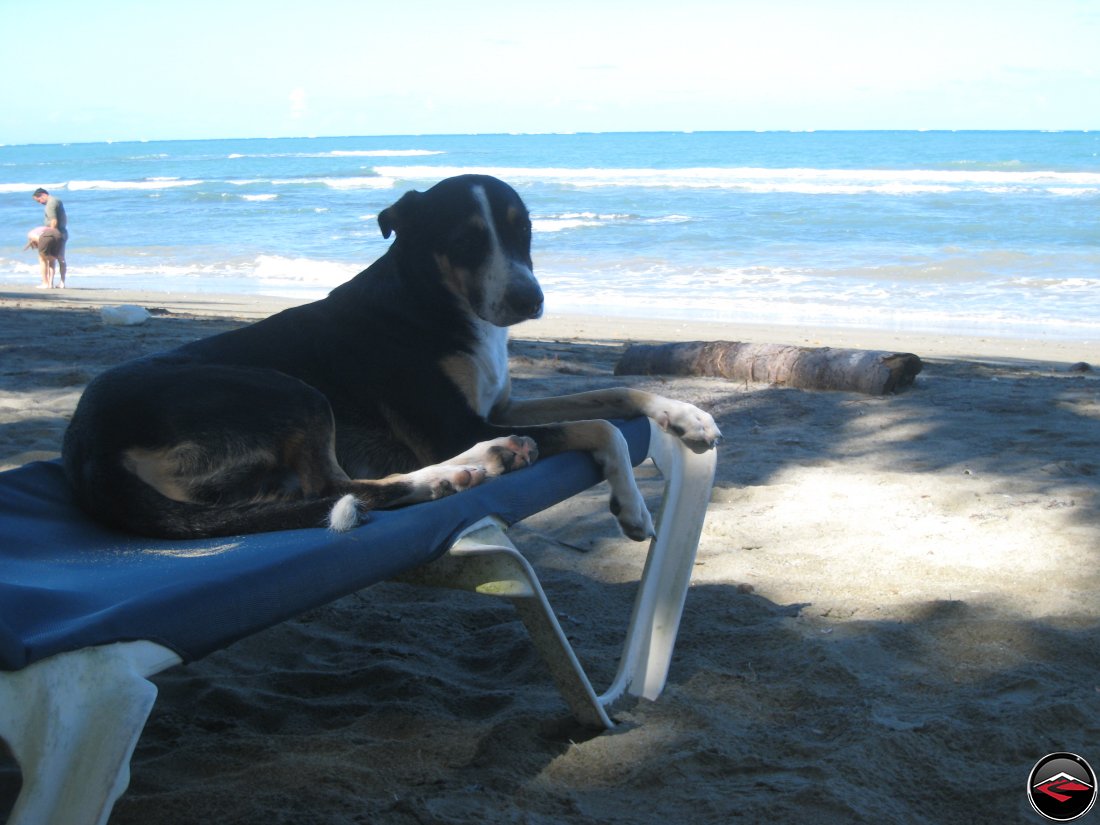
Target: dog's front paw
<point>692,425</point>
<point>633,516</point>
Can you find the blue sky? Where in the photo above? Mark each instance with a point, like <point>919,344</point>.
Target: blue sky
<point>91,71</point>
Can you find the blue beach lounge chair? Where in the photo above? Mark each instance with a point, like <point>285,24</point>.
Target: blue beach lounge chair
<point>87,613</point>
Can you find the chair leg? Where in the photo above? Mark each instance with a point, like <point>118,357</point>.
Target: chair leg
<point>647,652</point>
<point>72,722</point>
<point>485,561</point>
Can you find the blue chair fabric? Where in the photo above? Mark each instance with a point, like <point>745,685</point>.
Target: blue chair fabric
<point>67,582</point>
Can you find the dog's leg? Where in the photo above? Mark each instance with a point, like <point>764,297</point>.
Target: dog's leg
<point>609,449</point>
<point>485,460</point>
<point>574,422</point>
<point>500,455</point>
<point>426,484</point>
<point>692,425</point>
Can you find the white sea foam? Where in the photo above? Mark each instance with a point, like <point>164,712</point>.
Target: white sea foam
<point>810,181</point>
<point>378,153</point>
<point>19,188</point>
<point>794,297</point>
<point>275,269</point>
<point>805,181</point>
<point>343,153</point>
<point>152,184</point>
<point>1071,192</point>
<point>372,182</point>
<point>360,182</point>
<point>159,183</point>
<point>560,224</point>
<point>265,274</point>
<point>573,220</point>
<point>940,294</point>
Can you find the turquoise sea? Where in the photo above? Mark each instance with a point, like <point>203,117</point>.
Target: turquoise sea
<point>990,232</point>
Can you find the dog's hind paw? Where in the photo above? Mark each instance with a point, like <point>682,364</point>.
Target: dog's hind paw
<point>344,514</point>
<point>441,480</point>
<point>514,452</point>
<point>501,455</point>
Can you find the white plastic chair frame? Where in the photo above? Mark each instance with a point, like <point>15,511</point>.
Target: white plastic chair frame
<point>72,720</point>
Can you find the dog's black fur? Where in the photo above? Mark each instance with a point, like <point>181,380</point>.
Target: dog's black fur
<point>391,390</point>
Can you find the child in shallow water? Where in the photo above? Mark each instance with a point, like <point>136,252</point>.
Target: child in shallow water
<point>48,243</point>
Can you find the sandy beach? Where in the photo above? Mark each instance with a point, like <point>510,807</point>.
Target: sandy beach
<point>893,613</point>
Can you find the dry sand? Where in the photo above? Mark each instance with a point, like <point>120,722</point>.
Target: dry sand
<point>893,614</point>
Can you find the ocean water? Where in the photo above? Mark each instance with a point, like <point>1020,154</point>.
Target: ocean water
<point>996,233</point>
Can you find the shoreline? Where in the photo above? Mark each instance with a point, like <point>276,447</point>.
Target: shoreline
<point>930,344</point>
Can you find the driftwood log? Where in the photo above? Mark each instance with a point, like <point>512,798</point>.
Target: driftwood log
<point>810,368</point>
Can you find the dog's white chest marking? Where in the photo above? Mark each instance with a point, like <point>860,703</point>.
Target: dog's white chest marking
<point>482,374</point>
<point>494,360</point>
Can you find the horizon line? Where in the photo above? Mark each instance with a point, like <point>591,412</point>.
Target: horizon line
<point>561,133</point>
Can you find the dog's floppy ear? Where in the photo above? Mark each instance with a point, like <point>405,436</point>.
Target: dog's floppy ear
<point>400,215</point>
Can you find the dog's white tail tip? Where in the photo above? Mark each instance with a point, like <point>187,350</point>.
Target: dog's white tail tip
<point>344,514</point>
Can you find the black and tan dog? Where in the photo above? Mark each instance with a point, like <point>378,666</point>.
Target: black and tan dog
<point>393,389</point>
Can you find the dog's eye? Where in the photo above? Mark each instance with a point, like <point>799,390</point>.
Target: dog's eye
<point>520,233</point>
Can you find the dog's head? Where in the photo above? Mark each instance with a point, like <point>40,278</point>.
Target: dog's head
<point>477,232</point>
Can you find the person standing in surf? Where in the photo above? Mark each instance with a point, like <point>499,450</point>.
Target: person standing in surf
<point>55,218</point>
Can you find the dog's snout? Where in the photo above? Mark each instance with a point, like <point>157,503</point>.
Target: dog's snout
<point>534,311</point>
<point>525,296</point>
